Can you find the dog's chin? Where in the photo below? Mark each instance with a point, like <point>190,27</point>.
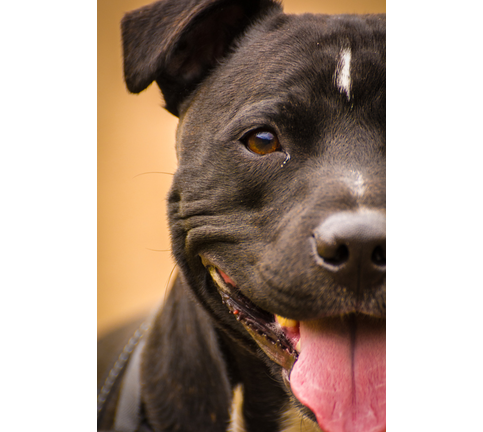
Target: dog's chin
<point>322,361</point>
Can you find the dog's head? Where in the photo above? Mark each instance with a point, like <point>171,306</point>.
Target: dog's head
<point>277,209</point>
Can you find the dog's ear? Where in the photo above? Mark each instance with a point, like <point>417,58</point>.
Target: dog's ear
<point>177,42</point>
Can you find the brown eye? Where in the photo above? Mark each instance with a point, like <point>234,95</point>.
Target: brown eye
<point>263,142</point>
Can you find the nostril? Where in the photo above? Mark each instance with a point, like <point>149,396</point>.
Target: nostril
<point>334,256</point>
<point>379,256</point>
<point>353,244</point>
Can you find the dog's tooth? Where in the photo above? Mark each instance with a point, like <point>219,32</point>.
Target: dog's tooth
<point>286,322</point>
<point>298,347</point>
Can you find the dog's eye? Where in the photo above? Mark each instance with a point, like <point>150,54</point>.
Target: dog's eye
<point>262,142</point>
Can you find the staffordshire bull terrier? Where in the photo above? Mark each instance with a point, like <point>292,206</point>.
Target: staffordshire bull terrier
<point>276,321</point>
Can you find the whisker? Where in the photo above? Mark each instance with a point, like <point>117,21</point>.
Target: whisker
<point>167,284</point>
<point>153,172</point>
<point>159,250</point>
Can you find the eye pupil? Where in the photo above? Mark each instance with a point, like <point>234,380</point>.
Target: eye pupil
<point>263,142</point>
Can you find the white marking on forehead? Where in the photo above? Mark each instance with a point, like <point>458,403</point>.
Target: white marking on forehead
<point>342,74</point>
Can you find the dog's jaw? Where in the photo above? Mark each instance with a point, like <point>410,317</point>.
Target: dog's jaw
<point>324,362</point>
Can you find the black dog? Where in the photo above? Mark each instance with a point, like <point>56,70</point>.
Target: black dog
<point>277,214</point>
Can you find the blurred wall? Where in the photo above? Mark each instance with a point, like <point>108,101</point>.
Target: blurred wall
<point>135,146</point>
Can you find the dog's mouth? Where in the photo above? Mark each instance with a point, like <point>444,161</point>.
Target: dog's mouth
<point>277,336</point>
<point>334,366</point>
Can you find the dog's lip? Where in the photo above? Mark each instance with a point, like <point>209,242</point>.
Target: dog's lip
<point>275,335</point>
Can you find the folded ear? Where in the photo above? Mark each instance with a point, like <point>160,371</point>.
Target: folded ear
<point>177,42</point>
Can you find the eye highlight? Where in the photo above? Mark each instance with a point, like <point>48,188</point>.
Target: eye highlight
<point>262,142</point>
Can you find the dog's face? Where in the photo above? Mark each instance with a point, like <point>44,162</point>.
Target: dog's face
<point>277,210</point>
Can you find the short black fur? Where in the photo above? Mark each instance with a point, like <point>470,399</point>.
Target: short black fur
<point>226,68</point>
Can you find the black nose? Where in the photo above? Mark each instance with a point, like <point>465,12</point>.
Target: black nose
<point>352,246</point>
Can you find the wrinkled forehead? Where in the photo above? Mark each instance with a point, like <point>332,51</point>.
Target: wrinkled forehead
<point>327,55</point>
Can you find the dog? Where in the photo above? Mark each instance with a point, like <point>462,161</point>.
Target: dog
<point>276,320</point>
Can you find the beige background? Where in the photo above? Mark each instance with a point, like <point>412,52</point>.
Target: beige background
<point>136,139</point>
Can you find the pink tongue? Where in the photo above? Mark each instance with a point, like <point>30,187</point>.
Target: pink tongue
<point>341,376</point>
